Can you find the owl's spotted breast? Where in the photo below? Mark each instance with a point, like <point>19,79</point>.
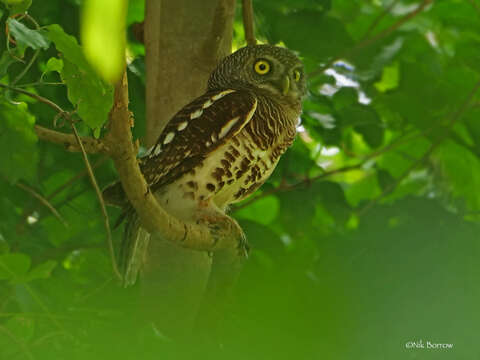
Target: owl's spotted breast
<point>238,167</point>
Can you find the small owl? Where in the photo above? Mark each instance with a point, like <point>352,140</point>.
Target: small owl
<point>222,146</point>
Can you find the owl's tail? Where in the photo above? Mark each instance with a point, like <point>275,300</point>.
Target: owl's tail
<point>135,240</point>
<point>133,249</point>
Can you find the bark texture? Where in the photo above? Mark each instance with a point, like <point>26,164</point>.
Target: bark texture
<point>184,40</point>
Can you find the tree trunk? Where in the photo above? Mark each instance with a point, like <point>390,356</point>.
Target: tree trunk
<point>184,40</point>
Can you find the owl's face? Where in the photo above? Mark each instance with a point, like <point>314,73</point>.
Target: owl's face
<point>272,70</point>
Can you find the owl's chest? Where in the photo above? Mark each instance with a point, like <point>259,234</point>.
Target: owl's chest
<point>236,169</point>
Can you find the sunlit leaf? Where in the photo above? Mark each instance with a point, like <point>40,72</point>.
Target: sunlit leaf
<point>54,64</point>
<point>103,36</point>
<point>26,37</point>
<point>92,96</point>
<point>42,271</point>
<point>14,266</point>
<point>263,211</point>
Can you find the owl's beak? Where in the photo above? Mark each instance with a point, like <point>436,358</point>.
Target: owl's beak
<point>285,85</point>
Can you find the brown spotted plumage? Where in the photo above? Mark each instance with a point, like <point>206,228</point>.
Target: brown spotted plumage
<point>222,146</point>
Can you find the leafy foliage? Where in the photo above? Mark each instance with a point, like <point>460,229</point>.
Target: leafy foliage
<point>364,238</point>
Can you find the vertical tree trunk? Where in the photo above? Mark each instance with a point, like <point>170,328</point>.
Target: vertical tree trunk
<point>184,40</point>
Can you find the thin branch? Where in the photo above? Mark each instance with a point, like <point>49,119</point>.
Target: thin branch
<point>392,28</point>
<point>69,141</point>
<point>248,22</point>
<point>23,346</point>
<point>153,217</point>
<point>26,68</point>
<point>456,116</point>
<point>36,97</point>
<point>58,190</point>
<point>75,178</point>
<point>373,39</point>
<point>379,18</point>
<point>44,201</point>
<point>100,200</point>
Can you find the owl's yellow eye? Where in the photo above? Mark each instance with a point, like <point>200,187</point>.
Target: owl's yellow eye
<point>296,75</point>
<point>262,67</point>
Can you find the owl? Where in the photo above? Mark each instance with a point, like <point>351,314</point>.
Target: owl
<point>221,147</point>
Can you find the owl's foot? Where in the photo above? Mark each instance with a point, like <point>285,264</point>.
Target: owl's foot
<point>223,227</point>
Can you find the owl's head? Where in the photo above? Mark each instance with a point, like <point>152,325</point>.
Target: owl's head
<point>271,69</point>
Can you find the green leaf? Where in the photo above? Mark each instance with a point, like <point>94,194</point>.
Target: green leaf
<point>14,266</point>
<point>364,189</point>
<point>389,80</point>
<point>345,97</point>
<point>103,36</point>
<point>26,37</point>
<point>136,11</point>
<point>67,45</point>
<point>93,99</point>
<point>18,142</point>
<point>365,121</point>
<point>312,33</point>
<point>92,96</point>
<point>42,271</point>
<point>17,6</point>
<point>263,211</point>
<point>461,169</point>
<point>54,64</point>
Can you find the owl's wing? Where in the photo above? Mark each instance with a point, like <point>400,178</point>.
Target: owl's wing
<point>195,131</point>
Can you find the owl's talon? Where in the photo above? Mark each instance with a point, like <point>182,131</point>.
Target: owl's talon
<point>222,226</point>
<point>242,246</point>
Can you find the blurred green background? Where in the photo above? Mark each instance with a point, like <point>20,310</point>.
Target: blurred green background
<point>366,236</point>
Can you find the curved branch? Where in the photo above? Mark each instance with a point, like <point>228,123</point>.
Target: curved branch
<point>153,217</point>
<point>369,41</point>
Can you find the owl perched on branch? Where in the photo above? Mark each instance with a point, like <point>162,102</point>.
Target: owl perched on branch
<point>222,146</point>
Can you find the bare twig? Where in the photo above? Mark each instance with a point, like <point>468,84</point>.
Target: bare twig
<point>456,116</point>
<point>379,18</point>
<point>373,39</point>
<point>75,178</point>
<point>248,22</point>
<point>24,347</point>
<point>100,200</point>
<point>392,28</point>
<point>35,96</point>
<point>26,68</point>
<point>44,201</point>
<point>69,141</point>
<point>58,190</point>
